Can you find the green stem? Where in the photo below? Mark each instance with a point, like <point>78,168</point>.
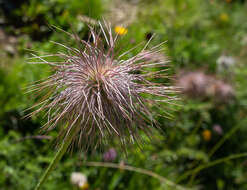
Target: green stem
<point>194,171</point>
<point>222,141</point>
<point>56,159</point>
<point>138,170</point>
<point>210,164</point>
<point>198,169</point>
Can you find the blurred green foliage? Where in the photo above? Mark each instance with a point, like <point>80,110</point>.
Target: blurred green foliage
<point>197,33</point>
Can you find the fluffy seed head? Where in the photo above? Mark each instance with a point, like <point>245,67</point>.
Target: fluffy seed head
<point>98,93</point>
<point>197,84</point>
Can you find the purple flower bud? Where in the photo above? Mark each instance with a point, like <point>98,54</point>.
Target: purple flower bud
<point>218,129</point>
<point>110,155</point>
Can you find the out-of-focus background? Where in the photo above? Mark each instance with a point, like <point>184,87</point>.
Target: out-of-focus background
<point>204,144</point>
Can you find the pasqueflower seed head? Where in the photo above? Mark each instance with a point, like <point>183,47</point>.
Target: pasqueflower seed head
<point>99,94</point>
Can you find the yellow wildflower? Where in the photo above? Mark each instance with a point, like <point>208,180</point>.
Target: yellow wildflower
<point>84,186</point>
<point>224,17</point>
<point>120,30</point>
<point>206,134</point>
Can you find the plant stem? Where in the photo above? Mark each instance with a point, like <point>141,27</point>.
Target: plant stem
<point>138,170</point>
<point>210,164</point>
<point>227,136</point>
<point>194,171</point>
<point>56,159</point>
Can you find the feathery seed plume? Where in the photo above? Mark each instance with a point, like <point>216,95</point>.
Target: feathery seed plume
<point>99,94</point>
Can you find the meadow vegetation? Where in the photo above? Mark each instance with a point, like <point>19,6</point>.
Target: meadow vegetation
<point>202,143</point>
